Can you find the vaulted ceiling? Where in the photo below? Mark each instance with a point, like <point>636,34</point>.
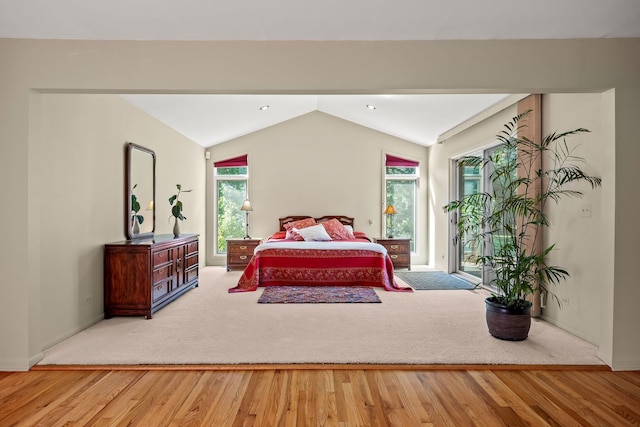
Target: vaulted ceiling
<point>211,119</point>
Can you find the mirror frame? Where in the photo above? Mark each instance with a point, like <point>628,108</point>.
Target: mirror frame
<point>129,148</point>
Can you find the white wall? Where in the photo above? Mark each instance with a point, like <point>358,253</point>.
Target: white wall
<point>31,67</point>
<point>77,168</point>
<point>318,164</point>
<point>584,245</point>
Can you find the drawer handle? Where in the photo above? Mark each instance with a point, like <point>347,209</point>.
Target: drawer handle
<point>393,256</point>
<point>243,247</point>
<point>159,288</point>
<point>394,246</point>
<point>243,257</point>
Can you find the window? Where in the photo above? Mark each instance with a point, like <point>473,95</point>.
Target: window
<point>401,189</point>
<point>231,183</point>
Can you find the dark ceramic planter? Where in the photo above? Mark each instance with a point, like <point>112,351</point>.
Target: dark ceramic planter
<point>508,323</point>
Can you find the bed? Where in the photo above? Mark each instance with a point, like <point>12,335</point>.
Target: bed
<point>320,251</point>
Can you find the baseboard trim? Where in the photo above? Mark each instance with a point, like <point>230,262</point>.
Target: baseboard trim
<point>320,366</point>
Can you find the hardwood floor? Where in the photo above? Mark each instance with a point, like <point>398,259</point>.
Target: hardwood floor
<point>320,395</point>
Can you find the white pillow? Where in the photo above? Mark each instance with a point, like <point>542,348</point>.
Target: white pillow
<point>315,233</point>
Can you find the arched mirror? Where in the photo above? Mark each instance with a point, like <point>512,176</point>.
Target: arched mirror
<point>140,192</point>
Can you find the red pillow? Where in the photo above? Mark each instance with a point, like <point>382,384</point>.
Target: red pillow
<point>301,223</point>
<point>336,229</point>
<point>360,235</point>
<point>278,235</point>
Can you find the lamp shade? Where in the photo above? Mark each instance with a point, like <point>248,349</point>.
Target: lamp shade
<point>390,210</point>
<point>246,206</point>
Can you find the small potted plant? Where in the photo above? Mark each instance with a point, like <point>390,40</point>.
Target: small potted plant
<point>176,209</point>
<point>505,222</point>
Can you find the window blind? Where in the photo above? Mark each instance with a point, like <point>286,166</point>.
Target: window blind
<point>393,161</point>
<point>235,162</point>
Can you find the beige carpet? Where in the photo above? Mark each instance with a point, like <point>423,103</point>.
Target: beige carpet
<point>210,326</point>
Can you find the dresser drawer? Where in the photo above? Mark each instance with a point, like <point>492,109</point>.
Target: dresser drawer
<point>161,257</point>
<point>397,248</point>
<point>399,259</point>
<point>161,290</point>
<point>191,274</point>
<point>162,274</point>
<point>192,248</point>
<point>241,248</point>
<point>238,259</point>
<point>191,260</point>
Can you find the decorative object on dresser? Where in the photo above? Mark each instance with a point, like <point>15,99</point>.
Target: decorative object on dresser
<point>135,207</point>
<point>399,251</point>
<point>143,275</point>
<point>176,209</point>
<point>239,252</point>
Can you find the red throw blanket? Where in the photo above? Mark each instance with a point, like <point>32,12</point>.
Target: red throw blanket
<point>316,267</point>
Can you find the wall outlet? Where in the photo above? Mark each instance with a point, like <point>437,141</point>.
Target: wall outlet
<point>88,299</point>
<point>585,211</point>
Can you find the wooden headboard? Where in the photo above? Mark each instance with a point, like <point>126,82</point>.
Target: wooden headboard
<point>346,220</point>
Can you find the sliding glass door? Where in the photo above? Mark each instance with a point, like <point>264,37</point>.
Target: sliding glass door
<point>472,180</point>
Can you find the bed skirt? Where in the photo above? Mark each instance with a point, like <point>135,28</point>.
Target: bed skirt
<point>316,267</point>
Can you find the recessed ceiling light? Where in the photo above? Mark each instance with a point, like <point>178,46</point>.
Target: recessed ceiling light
<point>371,107</point>
<point>264,107</point>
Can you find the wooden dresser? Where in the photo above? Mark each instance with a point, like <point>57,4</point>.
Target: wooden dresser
<point>143,275</point>
<point>239,252</point>
<point>399,251</point>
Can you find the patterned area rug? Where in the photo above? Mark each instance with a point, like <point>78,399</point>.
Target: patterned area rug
<point>318,294</point>
<point>432,280</point>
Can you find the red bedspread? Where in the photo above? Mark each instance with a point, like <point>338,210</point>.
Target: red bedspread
<point>317,267</point>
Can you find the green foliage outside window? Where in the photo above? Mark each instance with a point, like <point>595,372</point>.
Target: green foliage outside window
<point>401,193</point>
<point>230,195</point>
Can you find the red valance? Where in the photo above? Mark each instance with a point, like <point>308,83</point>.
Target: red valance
<point>393,161</point>
<point>236,162</point>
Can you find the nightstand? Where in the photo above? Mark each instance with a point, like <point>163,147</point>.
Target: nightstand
<point>239,252</point>
<point>399,251</point>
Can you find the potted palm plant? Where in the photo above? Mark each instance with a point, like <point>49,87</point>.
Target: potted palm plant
<point>505,222</point>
